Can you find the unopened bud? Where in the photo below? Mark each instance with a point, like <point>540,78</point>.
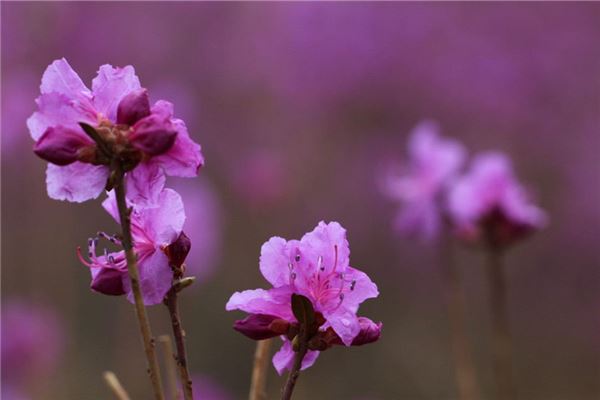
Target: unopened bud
<point>133,107</point>
<point>258,326</point>
<point>177,252</point>
<point>108,281</point>
<point>153,135</point>
<point>62,146</point>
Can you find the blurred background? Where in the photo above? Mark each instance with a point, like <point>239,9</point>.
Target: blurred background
<point>298,107</point>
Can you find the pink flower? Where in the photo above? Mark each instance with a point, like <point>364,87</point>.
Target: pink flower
<point>118,109</point>
<point>489,203</point>
<point>433,163</point>
<point>159,244</point>
<point>317,267</point>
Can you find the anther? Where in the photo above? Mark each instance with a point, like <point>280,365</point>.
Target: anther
<point>297,258</point>
<point>352,285</point>
<point>320,265</point>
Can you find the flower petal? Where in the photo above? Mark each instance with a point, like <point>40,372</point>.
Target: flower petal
<point>144,184</point>
<point>274,261</point>
<point>57,109</point>
<point>59,77</point>
<point>344,322</point>
<point>259,301</point>
<point>110,86</point>
<point>164,222</point>
<point>364,289</point>
<point>155,278</point>
<point>284,358</point>
<point>323,242</point>
<point>76,182</point>
<point>184,158</point>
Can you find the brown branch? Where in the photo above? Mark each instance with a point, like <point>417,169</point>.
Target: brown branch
<point>140,309</point>
<point>501,338</point>
<point>295,371</point>
<point>115,386</point>
<point>465,375</point>
<point>169,357</point>
<point>171,301</point>
<point>259,371</point>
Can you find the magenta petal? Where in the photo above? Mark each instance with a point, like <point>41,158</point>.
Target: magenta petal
<point>364,288</point>
<point>110,86</point>
<point>144,184</point>
<point>344,322</point>
<point>155,278</point>
<point>59,77</point>
<point>163,223</point>
<point>274,261</point>
<point>56,109</point>
<point>76,182</point>
<point>61,146</point>
<point>259,301</point>
<point>284,358</point>
<point>323,241</point>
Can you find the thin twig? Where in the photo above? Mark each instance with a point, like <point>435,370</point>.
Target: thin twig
<point>295,371</point>
<point>259,371</point>
<point>169,357</point>
<point>501,338</point>
<point>115,386</point>
<point>464,369</point>
<point>140,309</point>
<point>171,301</point>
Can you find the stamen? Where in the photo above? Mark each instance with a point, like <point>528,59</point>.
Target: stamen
<point>320,265</point>
<point>352,285</point>
<point>297,258</point>
<point>335,249</point>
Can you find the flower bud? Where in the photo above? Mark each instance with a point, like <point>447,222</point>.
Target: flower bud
<point>177,252</point>
<point>62,146</point>
<point>133,107</point>
<point>260,326</point>
<point>369,333</point>
<point>108,281</point>
<point>153,135</point>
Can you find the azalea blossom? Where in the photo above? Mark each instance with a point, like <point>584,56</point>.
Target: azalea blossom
<point>158,241</point>
<point>489,203</point>
<point>316,267</point>
<point>117,108</point>
<point>420,187</point>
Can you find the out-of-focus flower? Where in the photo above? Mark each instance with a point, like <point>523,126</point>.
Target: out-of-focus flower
<point>157,234</point>
<point>488,203</point>
<point>316,267</point>
<point>206,388</point>
<point>433,162</point>
<point>117,109</point>
<point>32,343</point>
<point>259,179</point>
<point>204,226</point>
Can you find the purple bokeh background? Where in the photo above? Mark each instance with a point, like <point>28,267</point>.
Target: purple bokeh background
<point>299,107</point>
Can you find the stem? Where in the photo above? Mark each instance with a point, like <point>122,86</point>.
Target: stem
<point>140,309</point>
<point>464,368</point>
<point>115,386</point>
<point>173,306</point>
<point>259,371</point>
<point>169,359</point>
<point>501,339</point>
<point>295,371</point>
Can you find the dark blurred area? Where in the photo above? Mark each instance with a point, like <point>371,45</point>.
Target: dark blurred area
<point>298,107</point>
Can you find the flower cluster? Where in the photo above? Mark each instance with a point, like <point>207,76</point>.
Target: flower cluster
<point>316,267</point>
<point>485,204</point>
<point>88,136</point>
<point>80,132</point>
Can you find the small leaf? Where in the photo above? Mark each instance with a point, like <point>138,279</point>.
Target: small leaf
<point>95,136</point>
<point>303,310</point>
